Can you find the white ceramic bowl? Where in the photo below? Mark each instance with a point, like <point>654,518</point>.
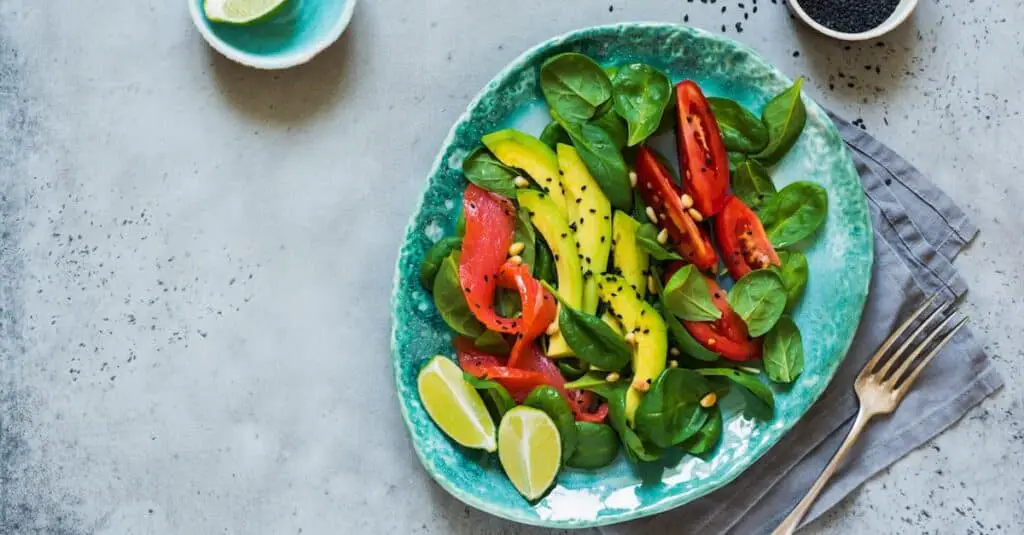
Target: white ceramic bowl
<point>900,14</point>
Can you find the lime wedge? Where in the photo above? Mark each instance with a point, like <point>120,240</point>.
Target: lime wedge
<point>530,450</point>
<point>241,11</point>
<point>454,405</point>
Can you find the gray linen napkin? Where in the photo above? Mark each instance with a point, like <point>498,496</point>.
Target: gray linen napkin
<point>918,233</point>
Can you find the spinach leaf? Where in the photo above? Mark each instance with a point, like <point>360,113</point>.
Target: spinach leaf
<point>708,436</point>
<point>545,268</point>
<point>547,399</point>
<point>612,123</point>
<point>760,400</point>
<point>793,273</point>
<point>784,116</point>
<point>684,340</point>
<point>636,448</point>
<point>498,400</point>
<point>484,170</point>
<point>735,159</point>
<point>460,225</point>
<point>588,381</point>
<point>507,303</point>
<point>751,183</point>
<point>553,134</point>
<point>492,342</point>
<point>742,131</point>
<point>591,339</point>
<point>574,86</point>
<point>597,445</point>
<point>760,299</point>
<point>639,211</point>
<point>670,412</point>
<point>720,386</point>
<point>570,370</point>
<point>783,352</point>
<point>641,93</point>
<point>687,296</point>
<point>435,257</point>
<point>603,159</point>
<point>647,238</point>
<point>526,235</point>
<point>794,213</point>
<point>451,302</point>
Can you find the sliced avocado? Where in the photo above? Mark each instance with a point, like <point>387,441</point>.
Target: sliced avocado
<point>591,213</point>
<point>612,322</point>
<point>556,232</point>
<point>629,258</point>
<point>523,151</point>
<point>640,318</point>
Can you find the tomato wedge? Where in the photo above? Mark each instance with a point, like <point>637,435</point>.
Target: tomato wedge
<point>742,239</point>
<point>490,224</point>
<point>727,335</point>
<point>539,307</point>
<point>702,156</point>
<point>661,194</point>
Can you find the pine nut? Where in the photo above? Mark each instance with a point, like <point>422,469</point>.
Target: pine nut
<point>709,400</point>
<point>520,182</point>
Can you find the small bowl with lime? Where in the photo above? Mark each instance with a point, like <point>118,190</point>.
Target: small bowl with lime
<point>271,34</point>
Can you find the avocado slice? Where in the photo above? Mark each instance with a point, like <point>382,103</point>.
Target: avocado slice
<point>629,258</point>
<point>556,232</point>
<point>523,151</point>
<point>590,215</point>
<point>651,348</point>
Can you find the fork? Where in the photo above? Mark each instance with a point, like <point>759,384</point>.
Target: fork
<point>880,388</point>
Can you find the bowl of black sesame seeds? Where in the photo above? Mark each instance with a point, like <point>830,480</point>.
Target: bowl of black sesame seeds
<point>853,20</point>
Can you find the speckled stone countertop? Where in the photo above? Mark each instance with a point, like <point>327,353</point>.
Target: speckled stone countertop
<point>196,257</point>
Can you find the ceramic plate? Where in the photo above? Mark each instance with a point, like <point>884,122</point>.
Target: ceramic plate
<point>840,269</point>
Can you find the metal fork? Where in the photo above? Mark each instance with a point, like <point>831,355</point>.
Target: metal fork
<point>880,388</point>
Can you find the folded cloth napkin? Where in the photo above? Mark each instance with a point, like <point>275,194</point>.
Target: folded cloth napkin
<point>918,233</point>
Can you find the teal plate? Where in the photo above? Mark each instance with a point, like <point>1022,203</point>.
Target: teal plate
<point>840,270</point>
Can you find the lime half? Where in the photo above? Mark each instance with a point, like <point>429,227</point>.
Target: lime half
<point>241,11</point>
<point>530,450</point>
<point>454,405</point>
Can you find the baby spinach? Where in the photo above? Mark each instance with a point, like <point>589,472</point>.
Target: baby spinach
<point>793,273</point>
<point>760,299</point>
<point>545,268</point>
<point>670,412</point>
<point>641,93</point>
<point>547,399</point>
<point>460,225</point>
<point>588,381</point>
<point>751,183</point>
<point>735,159</point>
<point>591,339</point>
<point>760,400</point>
<point>597,446</point>
<point>492,342</point>
<point>435,257</point>
<point>784,116</point>
<point>647,238</point>
<point>742,131</point>
<point>498,400</point>
<point>574,86</point>
<point>707,438</point>
<point>636,448</point>
<point>612,123</point>
<point>527,236</point>
<point>570,370</point>
<point>684,340</point>
<point>451,302</point>
<point>507,302</point>
<point>687,296</point>
<point>603,159</point>
<point>794,213</point>
<point>783,352</point>
<point>553,134</point>
<point>484,170</point>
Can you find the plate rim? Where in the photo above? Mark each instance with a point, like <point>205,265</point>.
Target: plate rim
<point>529,55</point>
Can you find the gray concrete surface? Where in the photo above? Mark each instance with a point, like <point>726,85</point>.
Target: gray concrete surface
<point>196,258</point>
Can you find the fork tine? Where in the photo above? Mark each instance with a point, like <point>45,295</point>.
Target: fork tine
<point>873,363</point>
<point>905,386</point>
<point>897,356</point>
<point>919,348</point>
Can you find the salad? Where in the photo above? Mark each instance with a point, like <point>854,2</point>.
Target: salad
<point>585,284</point>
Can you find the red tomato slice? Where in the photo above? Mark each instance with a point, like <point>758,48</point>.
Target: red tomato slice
<point>702,156</point>
<point>659,192</point>
<point>539,308</point>
<point>727,335</point>
<point>742,239</point>
<point>583,399</point>
<point>477,363</point>
<point>490,224</point>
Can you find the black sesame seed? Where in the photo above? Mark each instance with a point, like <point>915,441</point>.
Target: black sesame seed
<point>849,17</point>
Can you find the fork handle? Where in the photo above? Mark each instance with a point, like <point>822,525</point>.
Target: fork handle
<point>789,525</point>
